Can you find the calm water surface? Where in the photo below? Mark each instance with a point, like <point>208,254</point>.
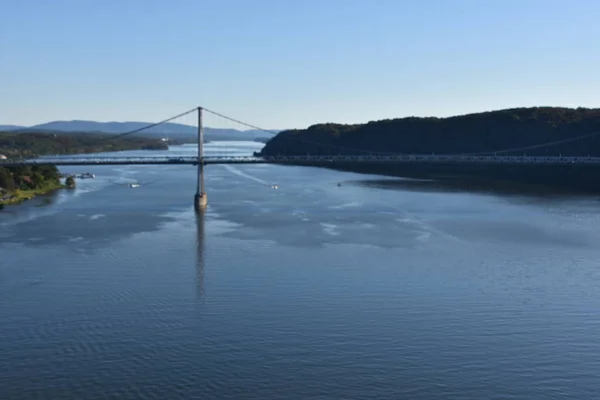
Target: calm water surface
<point>312,291</point>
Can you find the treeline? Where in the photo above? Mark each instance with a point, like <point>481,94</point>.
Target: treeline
<point>486,132</point>
<point>29,144</point>
<point>28,177</point>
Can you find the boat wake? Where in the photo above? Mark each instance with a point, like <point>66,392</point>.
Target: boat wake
<point>236,171</point>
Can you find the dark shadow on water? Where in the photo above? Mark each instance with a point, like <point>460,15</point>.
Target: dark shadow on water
<point>522,192</point>
<point>200,255</point>
<point>88,222</point>
<point>81,232</point>
<point>47,199</point>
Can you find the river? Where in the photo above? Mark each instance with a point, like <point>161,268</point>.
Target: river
<point>371,289</point>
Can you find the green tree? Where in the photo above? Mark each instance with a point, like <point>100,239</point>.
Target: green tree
<point>6,180</point>
<point>70,181</point>
<point>37,180</point>
<point>49,172</point>
<point>25,184</point>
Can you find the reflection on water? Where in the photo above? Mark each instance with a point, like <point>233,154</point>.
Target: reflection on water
<point>48,199</point>
<point>200,254</point>
<point>470,186</point>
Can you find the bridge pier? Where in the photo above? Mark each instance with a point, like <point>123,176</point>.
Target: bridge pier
<point>200,198</point>
<point>200,201</point>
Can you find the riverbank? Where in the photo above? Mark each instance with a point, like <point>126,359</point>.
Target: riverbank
<point>19,196</point>
<point>22,183</point>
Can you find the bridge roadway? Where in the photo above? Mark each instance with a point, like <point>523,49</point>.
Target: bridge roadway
<point>308,160</point>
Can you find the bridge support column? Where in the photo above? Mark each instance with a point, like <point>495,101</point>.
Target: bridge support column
<point>200,201</point>
<point>200,198</point>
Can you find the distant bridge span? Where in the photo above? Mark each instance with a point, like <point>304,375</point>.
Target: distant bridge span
<point>200,160</point>
<point>307,160</point>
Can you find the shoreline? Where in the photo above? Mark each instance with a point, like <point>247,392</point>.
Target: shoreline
<point>20,196</point>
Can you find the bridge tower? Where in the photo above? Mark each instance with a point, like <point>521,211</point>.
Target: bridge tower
<point>200,198</point>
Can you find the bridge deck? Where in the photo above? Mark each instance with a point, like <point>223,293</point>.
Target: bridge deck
<point>299,160</point>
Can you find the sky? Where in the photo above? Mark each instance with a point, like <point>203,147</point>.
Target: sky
<point>293,63</point>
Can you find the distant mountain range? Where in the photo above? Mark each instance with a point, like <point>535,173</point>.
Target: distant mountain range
<point>170,130</point>
<point>10,127</point>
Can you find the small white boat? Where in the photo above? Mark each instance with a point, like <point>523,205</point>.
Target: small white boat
<point>134,185</point>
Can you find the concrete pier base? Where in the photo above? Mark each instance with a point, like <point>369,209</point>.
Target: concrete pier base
<point>200,201</point>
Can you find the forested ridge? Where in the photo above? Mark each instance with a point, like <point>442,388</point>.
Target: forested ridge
<point>29,144</point>
<point>472,133</point>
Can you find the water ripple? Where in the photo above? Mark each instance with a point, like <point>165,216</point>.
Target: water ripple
<point>311,291</point>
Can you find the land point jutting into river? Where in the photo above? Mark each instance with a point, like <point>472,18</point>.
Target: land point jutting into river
<point>18,184</point>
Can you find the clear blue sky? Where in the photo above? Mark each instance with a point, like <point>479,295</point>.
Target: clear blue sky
<point>292,63</point>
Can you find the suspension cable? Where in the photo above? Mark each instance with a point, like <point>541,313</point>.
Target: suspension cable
<point>333,146</point>
<point>152,125</point>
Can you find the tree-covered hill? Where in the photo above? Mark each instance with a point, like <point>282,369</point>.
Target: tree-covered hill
<point>472,133</point>
<point>14,144</point>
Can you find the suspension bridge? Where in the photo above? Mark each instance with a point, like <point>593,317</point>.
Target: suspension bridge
<point>200,160</point>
